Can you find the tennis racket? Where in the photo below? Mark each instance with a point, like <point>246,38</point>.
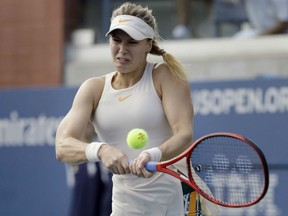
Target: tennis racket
<point>227,169</point>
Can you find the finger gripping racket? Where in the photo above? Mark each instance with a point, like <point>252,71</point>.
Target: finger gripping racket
<point>227,169</point>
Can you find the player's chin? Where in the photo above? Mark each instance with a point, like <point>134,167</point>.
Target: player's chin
<point>121,70</point>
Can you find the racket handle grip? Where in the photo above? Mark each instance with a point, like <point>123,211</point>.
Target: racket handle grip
<point>151,166</point>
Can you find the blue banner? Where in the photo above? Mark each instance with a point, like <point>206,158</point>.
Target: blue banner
<point>33,182</point>
<point>256,109</point>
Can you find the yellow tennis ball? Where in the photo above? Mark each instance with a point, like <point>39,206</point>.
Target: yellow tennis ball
<point>137,138</point>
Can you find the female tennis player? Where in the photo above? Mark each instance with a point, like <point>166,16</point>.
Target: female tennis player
<point>138,94</point>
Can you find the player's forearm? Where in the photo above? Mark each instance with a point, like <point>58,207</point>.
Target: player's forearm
<point>70,150</point>
<point>176,144</point>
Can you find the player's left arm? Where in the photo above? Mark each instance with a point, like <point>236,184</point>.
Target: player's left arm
<point>178,107</point>
<point>177,104</point>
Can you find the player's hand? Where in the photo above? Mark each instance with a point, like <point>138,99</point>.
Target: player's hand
<point>115,161</point>
<point>137,166</point>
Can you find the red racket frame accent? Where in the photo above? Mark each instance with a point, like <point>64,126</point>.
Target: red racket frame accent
<point>162,167</point>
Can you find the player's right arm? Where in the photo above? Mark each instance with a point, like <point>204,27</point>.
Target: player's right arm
<point>71,135</point>
<point>70,147</point>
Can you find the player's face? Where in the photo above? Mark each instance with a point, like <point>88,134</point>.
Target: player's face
<point>128,54</point>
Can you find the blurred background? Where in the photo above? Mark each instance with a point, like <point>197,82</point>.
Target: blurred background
<point>49,47</point>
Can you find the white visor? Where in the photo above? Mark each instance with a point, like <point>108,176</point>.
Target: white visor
<point>133,26</point>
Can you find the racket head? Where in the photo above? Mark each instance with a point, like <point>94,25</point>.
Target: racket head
<point>227,169</point>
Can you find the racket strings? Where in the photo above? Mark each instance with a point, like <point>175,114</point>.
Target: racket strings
<point>228,170</point>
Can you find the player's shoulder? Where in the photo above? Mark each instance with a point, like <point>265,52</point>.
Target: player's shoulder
<point>161,67</point>
<point>161,71</point>
<point>94,82</point>
<point>92,87</point>
<point>90,90</point>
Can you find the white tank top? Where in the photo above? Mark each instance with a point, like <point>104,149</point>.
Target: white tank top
<point>138,106</point>
<point>118,112</point>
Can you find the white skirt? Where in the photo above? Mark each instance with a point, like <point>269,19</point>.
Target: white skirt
<point>160,195</point>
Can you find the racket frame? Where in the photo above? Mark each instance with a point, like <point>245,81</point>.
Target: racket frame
<point>189,180</point>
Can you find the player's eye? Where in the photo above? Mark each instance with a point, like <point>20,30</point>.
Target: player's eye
<point>133,42</point>
<point>116,39</point>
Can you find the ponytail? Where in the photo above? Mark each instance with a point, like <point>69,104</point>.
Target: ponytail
<point>173,63</point>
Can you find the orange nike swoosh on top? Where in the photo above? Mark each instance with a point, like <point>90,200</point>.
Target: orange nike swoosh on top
<point>123,20</point>
<point>120,99</point>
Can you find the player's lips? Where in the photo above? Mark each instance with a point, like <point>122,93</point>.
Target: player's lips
<point>122,60</point>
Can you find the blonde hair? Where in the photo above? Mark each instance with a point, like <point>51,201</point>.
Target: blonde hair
<point>146,15</point>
